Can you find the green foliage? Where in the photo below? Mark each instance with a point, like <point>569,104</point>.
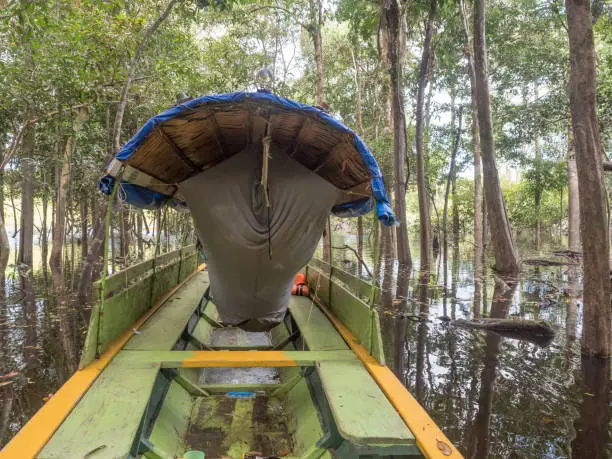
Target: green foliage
<point>521,211</point>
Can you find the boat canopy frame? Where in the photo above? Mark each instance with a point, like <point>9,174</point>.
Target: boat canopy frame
<point>197,134</point>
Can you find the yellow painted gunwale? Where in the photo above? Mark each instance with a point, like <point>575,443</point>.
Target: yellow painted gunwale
<point>429,438</point>
<point>32,437</point>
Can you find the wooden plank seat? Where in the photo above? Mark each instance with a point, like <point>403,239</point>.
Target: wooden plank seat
<point>108,416</point>
<point>353,396</point>
<point>317,331</point>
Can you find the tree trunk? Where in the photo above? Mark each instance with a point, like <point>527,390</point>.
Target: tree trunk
<point>506,258</point>
<point>84,228</point>
<point>314,31</point>
<point>573,200</point>
<point>44,242</point>
<point>358,116</point>
<point>26,235</point>
<point>396,47</point>
<point>139,235</point>
<point>388,257</point>
<point>63,185</point>
<point>424,217</point>
<point>478,199</point>
<point>592,439</point>
<point>5,248</point>
<point>449,179</point>
<point>596,334</point>
<point>539,191</point>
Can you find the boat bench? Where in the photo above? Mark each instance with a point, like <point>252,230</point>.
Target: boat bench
<point>366,422</point>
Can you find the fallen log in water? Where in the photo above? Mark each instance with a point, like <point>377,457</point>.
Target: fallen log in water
<point>548,262</point>
<point>535,331</point>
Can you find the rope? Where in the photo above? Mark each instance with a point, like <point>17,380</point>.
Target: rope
<point>265,167</point>
<point>267,140</point>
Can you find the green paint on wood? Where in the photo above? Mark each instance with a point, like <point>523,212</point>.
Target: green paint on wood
<point>89,353</point>
<point>119,312</point>
<point>304,424</point>
<point>361,411</point>
<point>224,388</point>
<point>108,415</point>
<point>240,436</point>
<point>362,321</point>
<point>347,307</point>
<point>124,278</point>
<point>173,420</point>
<point>377,344</point>
<point>174,359</point>
<point>166,326</point>
<point>360,287</point>
<point>317,331</point>
<point>165,278</point>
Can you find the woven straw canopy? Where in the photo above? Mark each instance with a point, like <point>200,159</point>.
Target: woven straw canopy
<point>199,134</point>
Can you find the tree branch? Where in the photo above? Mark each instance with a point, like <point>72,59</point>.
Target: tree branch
<point>363,263</point>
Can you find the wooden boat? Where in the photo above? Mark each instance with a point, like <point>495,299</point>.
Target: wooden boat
<point>162,378</point>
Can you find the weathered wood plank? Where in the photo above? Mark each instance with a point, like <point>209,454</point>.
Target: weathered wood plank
<point>361,410</point>
<point>173,420</point>
<point>350,310</point>
<point>108,415</point>
<point>317,331</point>
<point>233,359</point>
<point>164,279</point>
<point>123,278</point>
<point>90,347</point>
<point>119,311</point>
<point>162,330</point>
<point>355,284</point>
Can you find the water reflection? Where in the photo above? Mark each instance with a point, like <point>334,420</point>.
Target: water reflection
<point>41,333</point>
<point>500,396</point>
<point>592,427</point>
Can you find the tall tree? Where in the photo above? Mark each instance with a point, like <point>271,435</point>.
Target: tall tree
<point>26,232</point>
<point>391,21</point>
<point>506,257</point>
<point>596,334</point>
<point>424,217</point>
<point>573,200</point>
<point>63,184</point>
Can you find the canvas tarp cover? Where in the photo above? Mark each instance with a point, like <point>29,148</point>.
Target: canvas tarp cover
<point>254,251</point>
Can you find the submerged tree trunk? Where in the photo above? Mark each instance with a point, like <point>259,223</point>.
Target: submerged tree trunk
<point>388,257</point>
<point>596,335</point>
<point>84,228</point>
<point>395,50</point>
<point>63,185</point>
<point>139,235</point>
<point>359,118</point>
<point>573,200</point>
<point>506,258</point>
<point>449,179</point>
<point>539,185</point>
<point>424,217</point>
<point>26,235</point>
<point>5,248</point>
<point>314,31</point>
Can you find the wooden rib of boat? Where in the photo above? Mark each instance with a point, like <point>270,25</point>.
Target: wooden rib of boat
<point>162,378</point>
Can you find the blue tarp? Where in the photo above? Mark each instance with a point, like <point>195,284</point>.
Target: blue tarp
<point>144,198</point>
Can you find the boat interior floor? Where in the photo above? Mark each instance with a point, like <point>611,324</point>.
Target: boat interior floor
<point>305,396</point>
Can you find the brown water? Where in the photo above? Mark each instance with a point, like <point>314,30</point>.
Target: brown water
<point>493,396</point>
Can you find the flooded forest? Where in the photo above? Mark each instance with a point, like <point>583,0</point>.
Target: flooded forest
<point>491,122</point>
